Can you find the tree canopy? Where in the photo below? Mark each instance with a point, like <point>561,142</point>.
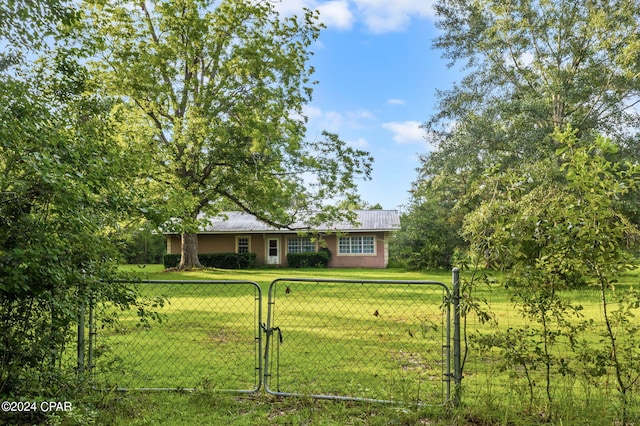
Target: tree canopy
<point>531,67</point>
<point>535,66</point>
<point>220,88</point>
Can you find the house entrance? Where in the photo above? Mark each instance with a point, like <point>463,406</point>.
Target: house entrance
<point>273,251</point>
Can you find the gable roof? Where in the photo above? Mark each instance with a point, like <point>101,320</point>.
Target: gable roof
<point>367,220</point>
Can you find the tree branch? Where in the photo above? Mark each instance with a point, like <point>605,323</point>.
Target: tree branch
<point>156,40</point>
<point>259,216</point>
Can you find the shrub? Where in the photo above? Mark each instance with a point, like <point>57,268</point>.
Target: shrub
<point>141,244</point>
<point>318,259</point>
<point>216,260</point>
<point>171,260</point>
<point>228,260</point>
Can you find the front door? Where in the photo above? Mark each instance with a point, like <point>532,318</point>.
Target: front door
<point>273,251</point>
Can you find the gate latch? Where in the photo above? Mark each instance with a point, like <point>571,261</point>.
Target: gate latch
<point>269,331</point>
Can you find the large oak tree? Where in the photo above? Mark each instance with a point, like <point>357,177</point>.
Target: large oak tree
<point>221,86</point>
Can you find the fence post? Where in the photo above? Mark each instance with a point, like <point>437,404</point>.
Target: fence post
<point>81,341</point>
<point>457,366</point>
<point>92,333</point>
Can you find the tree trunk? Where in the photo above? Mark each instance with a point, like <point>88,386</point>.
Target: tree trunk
<point>189,251</point>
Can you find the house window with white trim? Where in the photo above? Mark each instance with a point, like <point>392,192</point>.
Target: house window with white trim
<point>357,245</point>
<point>242,244</point>
<point>300,245</point>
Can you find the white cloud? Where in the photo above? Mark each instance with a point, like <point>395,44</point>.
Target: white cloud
<point>336,14</point>
<point>360,143</point>
<point>356,117</point>
<point>334,121</point>
<point>396,102</point>
<point>311,112</point>
<point>405,132</point>
<point>382,16</point>
<point>379,16</point>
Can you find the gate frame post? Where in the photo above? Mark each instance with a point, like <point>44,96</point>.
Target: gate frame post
<point>92,333</point>
<point>81,338</point>
<point>457,365</point>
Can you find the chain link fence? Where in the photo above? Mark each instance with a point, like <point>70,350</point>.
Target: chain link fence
<point>371,340</point>
<point>391,341</point>
<point>191,335</point>
<point>337,339</point>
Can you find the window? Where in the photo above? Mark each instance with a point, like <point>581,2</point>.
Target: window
<point>300,245</point>
<point>357,245</point>
<point>242,244</point>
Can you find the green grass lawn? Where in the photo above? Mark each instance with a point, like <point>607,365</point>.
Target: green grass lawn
<point>376,342</point>
<point>266,275</point>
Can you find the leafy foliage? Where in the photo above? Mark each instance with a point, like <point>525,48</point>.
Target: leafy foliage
<point>216,260</point>
<point>535,66</point>
<point>555,225</point>
<point>531,67</point>
<point>219,88</point>
<point>65,183</point>
<point>318,259</point>
<point>141,244</point>
<point>427,239</point>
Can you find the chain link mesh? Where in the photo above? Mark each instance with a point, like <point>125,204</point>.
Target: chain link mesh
<point>191,335</point>
<point>334,339</point>
<point>370,340</point>
<point>509,357</point>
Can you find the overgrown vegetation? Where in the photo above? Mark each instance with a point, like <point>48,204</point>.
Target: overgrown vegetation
<point>550,228</point>
<point>66,180</point>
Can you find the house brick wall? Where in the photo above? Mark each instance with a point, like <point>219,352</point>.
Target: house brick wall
<point>378,260</point>
<point>226,243</point>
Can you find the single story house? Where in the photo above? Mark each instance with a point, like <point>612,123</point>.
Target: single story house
<point>361,245</point>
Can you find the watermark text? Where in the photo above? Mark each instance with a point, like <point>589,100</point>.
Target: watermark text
<point>35,406</point>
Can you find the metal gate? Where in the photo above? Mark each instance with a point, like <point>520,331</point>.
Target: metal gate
<point>359,340</point>
<point>369,340</point>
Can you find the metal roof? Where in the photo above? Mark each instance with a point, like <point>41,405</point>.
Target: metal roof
<point>367,220</point>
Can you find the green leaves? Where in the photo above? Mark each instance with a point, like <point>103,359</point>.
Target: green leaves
<point>65,184</point>
<point>221,86</point>
<point>549,235</point>
<point>531,67</point>
<point>565,225</point>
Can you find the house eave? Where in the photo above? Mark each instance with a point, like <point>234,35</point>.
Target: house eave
<point>291,232</point>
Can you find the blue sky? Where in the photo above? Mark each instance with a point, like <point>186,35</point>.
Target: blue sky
<point>378,76</point>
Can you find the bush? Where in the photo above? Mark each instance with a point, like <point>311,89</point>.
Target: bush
<point>171,260</point>
<point>228,260</point>
<point>427,238</point>
<point>216,260</point>
<point>318,259</point>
